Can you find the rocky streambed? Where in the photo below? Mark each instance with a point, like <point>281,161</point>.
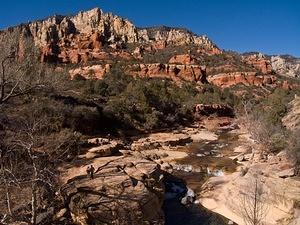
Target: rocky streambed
<point>161,178</point>
<point>155,180</point>
<point>207,157</point>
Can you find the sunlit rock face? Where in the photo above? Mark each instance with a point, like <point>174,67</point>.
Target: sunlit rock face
<point>288,66</point>
<point>74,39</point>
<point>259,62</point>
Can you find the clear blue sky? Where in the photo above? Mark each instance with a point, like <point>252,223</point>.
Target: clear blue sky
<point>268,26</point>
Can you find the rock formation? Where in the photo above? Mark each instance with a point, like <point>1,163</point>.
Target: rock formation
<point>91,72</point>
<point>176,36</point>
<point>287,66</point>
<point>259,62</point>
<point>74,38</point>
<point>157,140</point>
<point>175,72</point>
<point>246,78</point>
<point>127,191</point>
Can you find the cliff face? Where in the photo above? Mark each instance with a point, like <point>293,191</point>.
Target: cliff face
<point>65,34</point>
<point>110,27</point>
<point>176,36</point>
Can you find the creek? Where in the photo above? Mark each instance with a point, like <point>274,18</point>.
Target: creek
<point>205,159</point>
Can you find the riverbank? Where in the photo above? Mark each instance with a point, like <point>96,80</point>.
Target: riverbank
<point>281,190</point>
<point>217,163</point>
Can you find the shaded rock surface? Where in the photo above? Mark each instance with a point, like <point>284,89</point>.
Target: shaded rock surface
<point>209,109</point>
<point>127,190</point>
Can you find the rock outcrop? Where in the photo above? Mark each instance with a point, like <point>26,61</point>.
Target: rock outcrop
<point>224,195</point>
<point>259,62</point>
<point>176,36</point>
<point>111,28</point>
<point>287,66</point>
<point>246,78</point>
<point>270,178</point>
<point>91,72</point>
<point>127,191</point>
<point>175,72</point>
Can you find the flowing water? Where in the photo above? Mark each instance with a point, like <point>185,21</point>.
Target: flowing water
<point>205,159</point>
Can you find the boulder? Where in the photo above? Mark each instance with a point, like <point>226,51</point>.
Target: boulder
<point>104,149</point>
<point>286,173</point>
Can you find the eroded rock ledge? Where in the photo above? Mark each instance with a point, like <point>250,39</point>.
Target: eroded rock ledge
<point>127,191</point>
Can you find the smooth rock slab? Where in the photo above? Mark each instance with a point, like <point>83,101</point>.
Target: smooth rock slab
<point>127,191</point>
<point>157,140</point>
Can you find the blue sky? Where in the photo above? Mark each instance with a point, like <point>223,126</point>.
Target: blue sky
<point>268,26</point>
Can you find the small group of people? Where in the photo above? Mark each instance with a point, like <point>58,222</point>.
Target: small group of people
<point>90,170</point>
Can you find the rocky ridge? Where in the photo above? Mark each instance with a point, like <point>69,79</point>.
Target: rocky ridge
<point>62,37</point>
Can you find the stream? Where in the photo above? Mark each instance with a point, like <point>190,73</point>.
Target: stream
<point>205,159</point>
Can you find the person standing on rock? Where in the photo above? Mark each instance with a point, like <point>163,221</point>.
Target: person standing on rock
<point>88,171</point>
<point>92,171</point>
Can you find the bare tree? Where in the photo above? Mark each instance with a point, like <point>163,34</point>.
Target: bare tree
<point>262,132</point>
<point>15,79</point>
<point>23,164</point>
<point>20,69</point>
<point>39,171</point>
<point>7,178</point>
<point>252,203</point>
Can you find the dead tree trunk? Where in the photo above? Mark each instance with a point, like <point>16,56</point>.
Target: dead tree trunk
<point>8,200</point>
<point>253,207</point>
<point>33,189</point>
